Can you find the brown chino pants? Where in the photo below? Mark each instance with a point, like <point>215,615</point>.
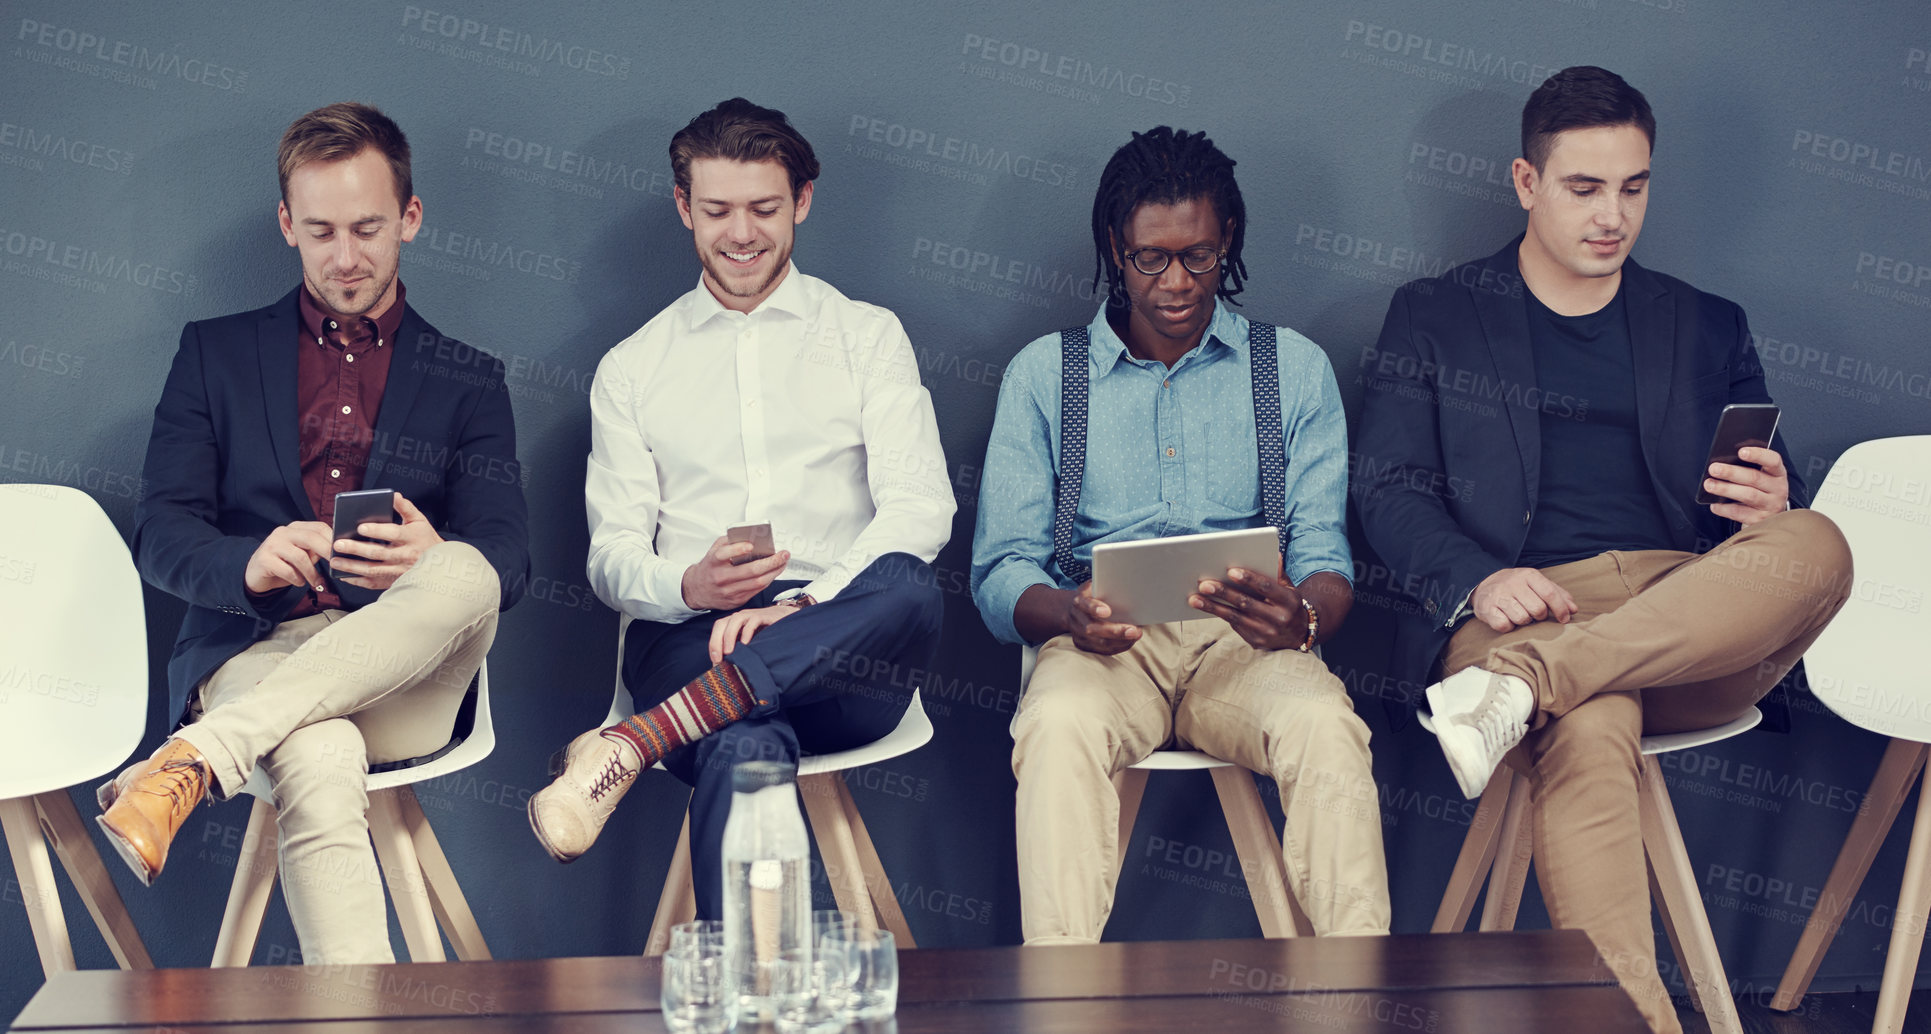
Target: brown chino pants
<point>1662,641</point>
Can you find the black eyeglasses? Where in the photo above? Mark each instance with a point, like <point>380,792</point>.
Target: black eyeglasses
<point>1154,261</point>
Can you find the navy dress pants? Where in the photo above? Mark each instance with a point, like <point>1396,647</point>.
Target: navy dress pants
<point>831,677</point>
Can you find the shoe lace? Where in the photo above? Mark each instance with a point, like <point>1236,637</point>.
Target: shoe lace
<point>183,781</point>
<point>1492,721</point>
<point>615,773</point>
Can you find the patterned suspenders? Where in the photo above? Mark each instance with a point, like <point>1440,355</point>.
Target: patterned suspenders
<point>1075,376</point>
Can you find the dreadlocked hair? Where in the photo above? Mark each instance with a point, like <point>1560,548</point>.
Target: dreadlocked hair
<point>1164,166</point>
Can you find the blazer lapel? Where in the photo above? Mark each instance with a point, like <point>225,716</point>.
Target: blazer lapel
<point>1652,339</point>
<point>1505,323</point>
<point>275,343</point>
<point>398,393</point>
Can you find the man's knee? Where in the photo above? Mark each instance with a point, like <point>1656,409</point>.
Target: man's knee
<point>326,763</point>
<point>1820,547</point>
<point>1604,734</point>
<point>459,572</point>
<point>1056,727</point>
<point>909,590</point>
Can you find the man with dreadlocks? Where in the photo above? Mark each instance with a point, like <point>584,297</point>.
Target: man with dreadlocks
<point>1180,416</point>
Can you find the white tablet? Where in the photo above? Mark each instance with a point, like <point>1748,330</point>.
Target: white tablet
<point>1147,582</point>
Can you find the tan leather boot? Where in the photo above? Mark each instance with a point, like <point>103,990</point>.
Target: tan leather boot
<point>593,774</point>
<point>147,803</point>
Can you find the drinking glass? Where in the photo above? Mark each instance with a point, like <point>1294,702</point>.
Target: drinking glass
<point>698,994</point>
<point>808,988</point>
<point>871,964</point>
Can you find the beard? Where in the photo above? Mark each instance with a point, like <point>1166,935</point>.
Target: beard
<point>357,301</point>
<point>736,283</point>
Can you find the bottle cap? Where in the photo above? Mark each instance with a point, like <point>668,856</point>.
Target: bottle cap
<point>753,776</point>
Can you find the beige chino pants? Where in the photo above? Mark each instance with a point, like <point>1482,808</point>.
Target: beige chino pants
<point>1662,641</point>
<point>319,699</point>
<point>1196,685</point>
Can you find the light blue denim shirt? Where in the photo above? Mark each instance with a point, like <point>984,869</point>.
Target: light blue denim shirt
<point>1168,452</point>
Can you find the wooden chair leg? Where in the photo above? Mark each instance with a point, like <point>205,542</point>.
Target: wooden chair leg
<point>884,899</point>
<point>678,901</point>
<point>1477,857</point>
<point>1679,900</point>
<point>1903,760</point>
<point>255,866</point>
<point>1907,926</point>
<point>1130,784</point>
<point>35,873</point>
<point>61,823</point>
<point>836,845</point>
<point>1514,850</point>
<point>402,871</point>
<point>1258,849</point>
<point>445,894</point>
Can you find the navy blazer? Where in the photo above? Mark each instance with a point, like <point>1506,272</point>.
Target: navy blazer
<point>1450,447</point>
<point>223,471</point>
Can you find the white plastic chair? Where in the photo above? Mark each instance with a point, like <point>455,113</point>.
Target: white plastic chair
<point>1672,882</point>
<point>1868,667</point>
<point>421,884</point>
<point>74,642</point>
<point>857,876</point>
<point>1255,841</point>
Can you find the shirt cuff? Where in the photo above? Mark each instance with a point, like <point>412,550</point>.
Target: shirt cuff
<point>666,581</point>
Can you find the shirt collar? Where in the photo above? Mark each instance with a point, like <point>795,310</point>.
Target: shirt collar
<point>1227,330</point>
<point>788,298</point>
<point>315,320</point>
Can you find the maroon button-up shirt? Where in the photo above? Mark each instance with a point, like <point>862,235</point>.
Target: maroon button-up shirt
<point>341,368</point>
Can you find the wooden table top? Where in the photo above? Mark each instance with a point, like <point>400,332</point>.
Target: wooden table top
<point>1544,980</point>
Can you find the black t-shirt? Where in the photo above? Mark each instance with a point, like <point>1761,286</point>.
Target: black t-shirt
<point>1595,492</point>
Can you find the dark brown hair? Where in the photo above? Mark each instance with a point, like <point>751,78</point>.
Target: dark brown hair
<point>339,132</point>
<point>1582,97</point>
<point>742,132</point>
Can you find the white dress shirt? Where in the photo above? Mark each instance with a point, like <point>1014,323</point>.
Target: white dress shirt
<point>806,412</point>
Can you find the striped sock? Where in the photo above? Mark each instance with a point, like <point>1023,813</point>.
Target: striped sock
<point>710,702</point>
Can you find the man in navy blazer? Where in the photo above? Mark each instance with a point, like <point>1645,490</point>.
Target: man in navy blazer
<point>305,654</point>
<point>1534,438</point>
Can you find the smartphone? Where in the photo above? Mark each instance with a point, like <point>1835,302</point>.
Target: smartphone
<point>1743,425</point>
<point>370,506</point>
<point>758,535</point>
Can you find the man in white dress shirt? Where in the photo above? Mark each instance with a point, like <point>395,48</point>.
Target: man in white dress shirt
<point>762,395</point>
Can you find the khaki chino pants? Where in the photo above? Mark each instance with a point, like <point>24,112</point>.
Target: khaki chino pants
<point>1662,641</point>
<point>1196,685</point>
<point>319,699</point>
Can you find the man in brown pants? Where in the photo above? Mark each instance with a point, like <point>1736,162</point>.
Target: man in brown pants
<point>1532,445</point>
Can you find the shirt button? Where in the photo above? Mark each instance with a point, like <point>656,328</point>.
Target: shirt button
<point>332,325</point>
<point>345,410</point>
<point>335,473</point>
<point>1166,384</point>
<point>1169,450</point>
<point>350,356</point>
<point>1525,517</point>
<point>750,403</point>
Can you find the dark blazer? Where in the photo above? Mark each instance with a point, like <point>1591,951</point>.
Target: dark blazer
<point>1449,449</point>
<point>222,470</point>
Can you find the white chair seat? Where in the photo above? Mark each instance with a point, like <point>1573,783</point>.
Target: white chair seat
<point>1663,743</point>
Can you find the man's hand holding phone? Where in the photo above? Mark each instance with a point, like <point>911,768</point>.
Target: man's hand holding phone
<point>720,582</point>
<point>1754,492</point>
<point>394,550</point>
<point>1089,622</point>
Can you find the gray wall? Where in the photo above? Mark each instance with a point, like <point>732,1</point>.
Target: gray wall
<point>961,147</point>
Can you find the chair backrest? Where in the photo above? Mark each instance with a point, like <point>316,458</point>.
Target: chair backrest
<point>73,641</point>
<point>620,704</point>
<point>1867,666</point>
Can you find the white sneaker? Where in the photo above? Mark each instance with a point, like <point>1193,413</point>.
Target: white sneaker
<point>1479,716</point>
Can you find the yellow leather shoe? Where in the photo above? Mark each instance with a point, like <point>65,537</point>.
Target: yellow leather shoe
<point>148,802</point>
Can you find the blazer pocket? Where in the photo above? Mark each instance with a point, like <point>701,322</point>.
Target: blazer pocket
<point>1714,383</point>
